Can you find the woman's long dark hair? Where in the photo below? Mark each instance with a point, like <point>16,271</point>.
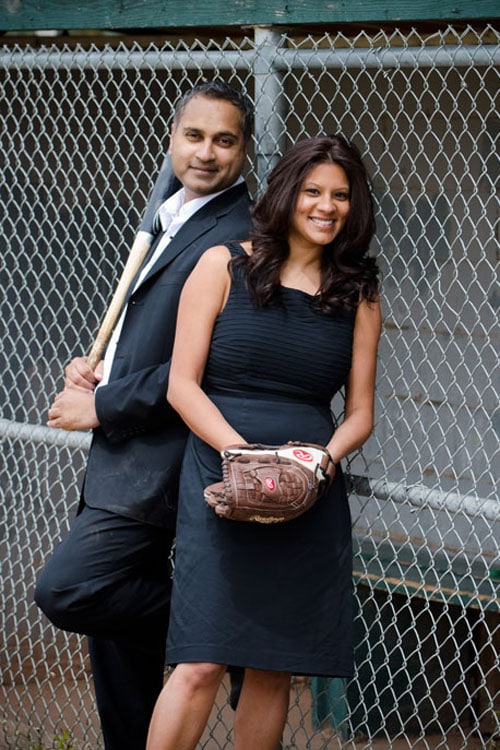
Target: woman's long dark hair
<point>347,272</point>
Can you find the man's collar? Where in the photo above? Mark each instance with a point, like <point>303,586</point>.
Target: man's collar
<point>177,205</point>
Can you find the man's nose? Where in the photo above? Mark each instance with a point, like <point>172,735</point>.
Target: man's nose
<point>205,152</point>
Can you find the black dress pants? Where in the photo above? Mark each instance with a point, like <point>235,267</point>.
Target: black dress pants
<point>110,579</point>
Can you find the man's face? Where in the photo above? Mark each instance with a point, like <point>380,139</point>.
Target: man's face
<point>206,146</point>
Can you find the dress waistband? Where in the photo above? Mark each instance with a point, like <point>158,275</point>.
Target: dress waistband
<point>262,396</point>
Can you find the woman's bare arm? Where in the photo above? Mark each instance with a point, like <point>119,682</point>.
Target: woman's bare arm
<point>357,425</point>
<point>202,299</point>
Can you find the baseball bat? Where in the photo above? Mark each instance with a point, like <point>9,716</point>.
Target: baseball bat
<point>166,184</point>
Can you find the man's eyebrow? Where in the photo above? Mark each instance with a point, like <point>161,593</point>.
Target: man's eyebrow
<point>222,133</point>
<point>228,134</point>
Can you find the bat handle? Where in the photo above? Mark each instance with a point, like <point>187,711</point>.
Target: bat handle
<point>134,261</point>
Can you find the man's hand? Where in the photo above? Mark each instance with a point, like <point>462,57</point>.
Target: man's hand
<point>73,409</point>
<point>80,375</point>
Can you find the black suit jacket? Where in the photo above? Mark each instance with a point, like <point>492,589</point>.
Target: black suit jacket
<point>135,455</point>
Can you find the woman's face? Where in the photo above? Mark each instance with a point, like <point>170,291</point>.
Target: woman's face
<point>322,206</point>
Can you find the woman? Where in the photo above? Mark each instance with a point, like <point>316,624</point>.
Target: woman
<point>267,332</point>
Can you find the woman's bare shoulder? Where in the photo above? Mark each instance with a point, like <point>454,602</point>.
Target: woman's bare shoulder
<point>247,247</point>
<point>216,258</point>
<point>215,253</point>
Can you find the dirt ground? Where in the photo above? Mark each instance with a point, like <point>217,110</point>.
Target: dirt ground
<point>70,723</point>
<point>300,735</point>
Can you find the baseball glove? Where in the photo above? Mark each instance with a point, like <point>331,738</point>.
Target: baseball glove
<point>270,483</point>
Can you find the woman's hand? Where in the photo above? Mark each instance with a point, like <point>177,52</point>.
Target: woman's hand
<point>330,469</point>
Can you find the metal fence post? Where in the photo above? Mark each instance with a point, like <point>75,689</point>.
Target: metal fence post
<point>269,98</point>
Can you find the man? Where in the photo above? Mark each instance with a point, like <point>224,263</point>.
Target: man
<point>110,578</point>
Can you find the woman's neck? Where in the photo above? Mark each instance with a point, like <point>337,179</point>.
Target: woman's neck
<point>302,271</point>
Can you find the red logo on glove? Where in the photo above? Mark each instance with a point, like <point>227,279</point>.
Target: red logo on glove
<point>302,455</point>
<point>270,484</point>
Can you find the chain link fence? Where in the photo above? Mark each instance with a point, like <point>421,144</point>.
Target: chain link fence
<point>84,130</point>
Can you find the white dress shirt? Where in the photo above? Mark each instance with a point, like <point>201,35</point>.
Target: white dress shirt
<point>173,213</point>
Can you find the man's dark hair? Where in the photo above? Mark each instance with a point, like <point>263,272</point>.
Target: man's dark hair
<point>221,90</point>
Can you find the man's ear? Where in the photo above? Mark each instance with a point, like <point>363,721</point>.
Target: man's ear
<point>170,140</point>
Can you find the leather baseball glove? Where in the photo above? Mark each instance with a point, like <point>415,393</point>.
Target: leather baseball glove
<point>270,483</point>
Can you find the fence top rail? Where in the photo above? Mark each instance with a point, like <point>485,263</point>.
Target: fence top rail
<point>282,59</point>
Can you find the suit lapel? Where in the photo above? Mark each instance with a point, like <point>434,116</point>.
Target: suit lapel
<point>195,227</point>
<point>200,223</point>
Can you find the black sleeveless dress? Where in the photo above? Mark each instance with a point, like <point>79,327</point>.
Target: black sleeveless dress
<point>267,596</point>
